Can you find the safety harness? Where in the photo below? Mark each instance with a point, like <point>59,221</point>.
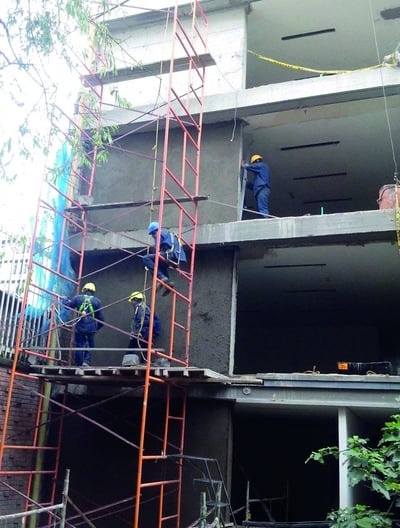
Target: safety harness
<point>175,253</point>
<point>142,305</point>
<point>86,308</point>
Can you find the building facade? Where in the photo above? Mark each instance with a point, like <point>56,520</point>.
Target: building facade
<point>280,304</point>
<point>288,298</point>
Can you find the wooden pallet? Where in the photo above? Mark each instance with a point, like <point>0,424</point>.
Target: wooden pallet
<point>124,375</point>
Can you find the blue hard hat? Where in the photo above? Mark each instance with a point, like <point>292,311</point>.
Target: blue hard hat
<point>153,227</point>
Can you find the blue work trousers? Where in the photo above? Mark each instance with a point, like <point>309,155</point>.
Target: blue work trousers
<point>163,264</point>
<point>84,342</point>
<point>262,200</point>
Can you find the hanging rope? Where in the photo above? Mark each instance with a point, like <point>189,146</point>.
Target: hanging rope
<point>154,188</point>
<point>395,172</point>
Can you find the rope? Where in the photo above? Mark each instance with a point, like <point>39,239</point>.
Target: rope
<point>395,175</point>
<point>397,215</point>
<point>155,149</point>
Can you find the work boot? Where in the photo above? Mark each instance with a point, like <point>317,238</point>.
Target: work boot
<point>170,284</point>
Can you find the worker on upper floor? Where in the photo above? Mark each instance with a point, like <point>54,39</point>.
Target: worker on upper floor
<point>171,254</point>
<point>260,184</point>
<point>140,328</point>
<point>89,319</point>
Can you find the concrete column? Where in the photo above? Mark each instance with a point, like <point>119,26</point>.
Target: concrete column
<point>345,428</point>
<point>231,366</point>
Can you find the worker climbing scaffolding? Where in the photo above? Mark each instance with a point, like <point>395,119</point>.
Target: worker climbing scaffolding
<point>171,254</point>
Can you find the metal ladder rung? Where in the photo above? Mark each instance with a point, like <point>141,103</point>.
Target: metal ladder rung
<point>219,504</point>
<point>207,481</point>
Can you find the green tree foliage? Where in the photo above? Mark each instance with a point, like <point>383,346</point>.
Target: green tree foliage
<point>376,467</point>
<point>43,46</point>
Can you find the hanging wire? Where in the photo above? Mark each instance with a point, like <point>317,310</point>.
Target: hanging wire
<point>395,175</point>
<point>395,172</point>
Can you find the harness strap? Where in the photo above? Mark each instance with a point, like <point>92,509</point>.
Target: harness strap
<point>175,240</point>
<point>86,304</point>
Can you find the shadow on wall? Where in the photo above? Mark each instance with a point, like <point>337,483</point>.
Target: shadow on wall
<point>289,348</point>
<point>270,452</point>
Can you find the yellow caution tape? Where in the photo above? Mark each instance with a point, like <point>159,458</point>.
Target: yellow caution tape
<point>312,70</point>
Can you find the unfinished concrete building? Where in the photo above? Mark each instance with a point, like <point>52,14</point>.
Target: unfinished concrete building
<point>268,311</point>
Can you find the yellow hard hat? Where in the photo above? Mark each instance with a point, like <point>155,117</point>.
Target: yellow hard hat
<point>136,295</point>
<point>89,286</point>
<point>255,157</point>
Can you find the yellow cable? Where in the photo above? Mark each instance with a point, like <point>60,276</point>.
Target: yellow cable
<point>312,70</point>
<point>397,215</point>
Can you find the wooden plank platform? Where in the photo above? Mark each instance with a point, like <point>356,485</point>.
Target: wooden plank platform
<point>145,70</point>
<point>138,203</point>
<point>117,375</point>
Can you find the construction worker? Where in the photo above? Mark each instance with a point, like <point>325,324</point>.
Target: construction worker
<point>171,254</point>
<point>260,184</point>
<point>89,319</point>
<point>140,327</point>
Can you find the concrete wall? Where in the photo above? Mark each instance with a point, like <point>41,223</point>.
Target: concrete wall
<point>104,467</point>
<point>142,42</point>
<point>209,430</point>
<point>131,175</point>
<point>212,305</point>
<point>211,309</point>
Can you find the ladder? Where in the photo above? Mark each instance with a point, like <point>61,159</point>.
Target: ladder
<point>57,237</point>
<point>183,119</point>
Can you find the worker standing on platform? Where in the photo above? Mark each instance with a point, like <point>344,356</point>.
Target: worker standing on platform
<point>89,320</point>
<point>260,184</point>
<point>140,328</point>
<point>171,253</point>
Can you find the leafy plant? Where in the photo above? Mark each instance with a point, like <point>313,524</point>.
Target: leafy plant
<point>376,467</point>
<point>359,517</point>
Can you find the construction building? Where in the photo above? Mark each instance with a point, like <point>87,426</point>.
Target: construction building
<point>279,337</point>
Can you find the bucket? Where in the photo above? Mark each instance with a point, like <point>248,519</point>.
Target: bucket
<point>387,196</point>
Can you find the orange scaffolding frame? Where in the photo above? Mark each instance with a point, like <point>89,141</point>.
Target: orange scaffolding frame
<point>178,190</point>
<point>172,184</point>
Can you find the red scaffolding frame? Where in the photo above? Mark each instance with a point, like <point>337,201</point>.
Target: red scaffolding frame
<point>192,43</point>
<point>179,190</point>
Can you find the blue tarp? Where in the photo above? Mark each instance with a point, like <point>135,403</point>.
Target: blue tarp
<point>53,256</point>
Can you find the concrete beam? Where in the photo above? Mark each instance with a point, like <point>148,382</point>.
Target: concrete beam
<point>289,393</point>
<point>302,230</point>
<point>118,21</point>
<point>147,70</point>
<point>272,98</point>
<point>355,227</point>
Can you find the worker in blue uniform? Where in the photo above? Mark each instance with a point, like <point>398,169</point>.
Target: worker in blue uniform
<point>89,319</point>
<point>171,254</point>
<point>260,184</point>
<point>140,327</point>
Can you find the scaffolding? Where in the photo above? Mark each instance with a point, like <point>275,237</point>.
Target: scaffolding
<point>56,269</point>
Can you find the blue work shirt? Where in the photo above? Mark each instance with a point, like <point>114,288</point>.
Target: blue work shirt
<point>260,171</point>
<point>141,321</point>
<point>172,247</point>
<point>92,320</point>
